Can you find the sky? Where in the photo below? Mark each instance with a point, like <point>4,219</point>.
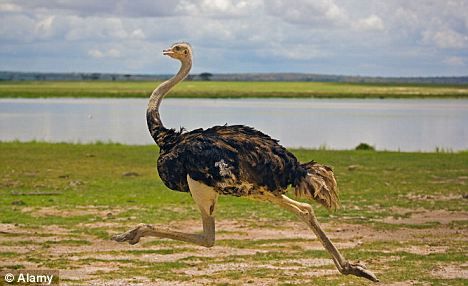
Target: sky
<point>345,37</point>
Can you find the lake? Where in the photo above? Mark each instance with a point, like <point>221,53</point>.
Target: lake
<point>388,124</point>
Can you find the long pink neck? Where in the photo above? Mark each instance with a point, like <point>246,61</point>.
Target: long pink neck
<point>159,93</point>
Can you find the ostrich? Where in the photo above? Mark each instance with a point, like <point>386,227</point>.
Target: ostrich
<point>234,160</point>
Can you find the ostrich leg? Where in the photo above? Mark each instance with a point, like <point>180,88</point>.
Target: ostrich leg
<point>306,213</point>
<point>205,198</point>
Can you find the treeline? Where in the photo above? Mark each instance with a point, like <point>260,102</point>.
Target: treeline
<point>26,76</point>
<point>303,77</point>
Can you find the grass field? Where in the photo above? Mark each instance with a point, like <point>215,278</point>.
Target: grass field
<point>403,214</point>
<point>229,89</point>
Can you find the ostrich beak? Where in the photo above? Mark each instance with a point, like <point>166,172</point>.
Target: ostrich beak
<point>167,52</point>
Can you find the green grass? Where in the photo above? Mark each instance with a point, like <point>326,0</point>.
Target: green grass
<point>213,89</point>
<point>383,179</point>
<point>91,199</point>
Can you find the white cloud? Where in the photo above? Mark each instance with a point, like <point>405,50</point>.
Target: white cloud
<point>95,53</point>
<point>113,53</point>
<point>446,39</point>
<point>298,52</point>
<point>371,23</point>
<point>110,53</point>
<point>44,27</point>
<point>94,28</point>
<point>454,61</point>
<point>9,7</point>
<point>218,8</point>
<point>137,34</point>
<point>103,8</point>
<point>307,12</point>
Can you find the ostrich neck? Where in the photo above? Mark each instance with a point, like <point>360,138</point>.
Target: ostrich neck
<point>158,94</point>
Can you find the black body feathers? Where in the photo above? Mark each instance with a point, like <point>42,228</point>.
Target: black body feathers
<point>236,160</point>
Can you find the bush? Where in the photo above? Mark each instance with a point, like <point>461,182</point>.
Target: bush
<point>365,146</point>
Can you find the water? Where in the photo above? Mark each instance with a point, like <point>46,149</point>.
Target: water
<point>390,124</point>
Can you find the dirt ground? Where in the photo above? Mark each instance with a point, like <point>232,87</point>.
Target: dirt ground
<point>247,252</point>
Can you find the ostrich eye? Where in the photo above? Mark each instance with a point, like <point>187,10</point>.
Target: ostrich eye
<point>177,48</point>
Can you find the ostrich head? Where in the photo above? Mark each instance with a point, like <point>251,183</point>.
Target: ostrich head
<point>180,51</point>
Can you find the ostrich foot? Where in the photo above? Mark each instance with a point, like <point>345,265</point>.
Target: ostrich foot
<point>132,236</point>
<point>359,270</point>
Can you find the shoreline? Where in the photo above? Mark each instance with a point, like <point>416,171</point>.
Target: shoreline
<point>437,150</point>
<point>222,89</point>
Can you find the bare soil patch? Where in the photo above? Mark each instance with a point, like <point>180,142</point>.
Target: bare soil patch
<point>78,211</point>
<point>423,217</point>
<point>451,271</point>
<point>84,258</point>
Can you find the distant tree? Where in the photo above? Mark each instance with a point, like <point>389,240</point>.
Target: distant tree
<point>95,76</point>
<point>127,76</point>
<point>205,76</point>
<point>39,76</point>
<point>365,146</point>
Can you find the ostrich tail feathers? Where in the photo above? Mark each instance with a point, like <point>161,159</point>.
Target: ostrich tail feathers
<point>318,184</point>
